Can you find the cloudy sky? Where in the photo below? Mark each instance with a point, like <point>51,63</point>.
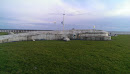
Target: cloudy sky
<point>109,15</point>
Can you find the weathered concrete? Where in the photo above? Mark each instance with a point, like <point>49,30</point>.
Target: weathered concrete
<point>57,35</point>
<point>20,30</point>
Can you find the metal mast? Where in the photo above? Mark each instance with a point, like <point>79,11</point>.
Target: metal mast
<point>63,22</point>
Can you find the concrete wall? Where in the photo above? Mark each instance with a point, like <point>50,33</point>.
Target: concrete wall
<point>113,33</point>
<point>20,30</point>
<point>56,35</point>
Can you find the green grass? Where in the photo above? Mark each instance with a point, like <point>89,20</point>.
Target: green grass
<point>3,33</point>
<point>74,57</point>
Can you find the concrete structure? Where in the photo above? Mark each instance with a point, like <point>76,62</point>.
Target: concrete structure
<point>57,35</point>
<point>19,30</point>
<point>115,33</point>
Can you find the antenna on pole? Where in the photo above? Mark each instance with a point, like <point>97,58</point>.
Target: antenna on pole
<point>63,21</point>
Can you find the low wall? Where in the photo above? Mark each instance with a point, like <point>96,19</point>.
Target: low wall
<point>113,33</point>
<point>13,38</point>
<point>54,35</point>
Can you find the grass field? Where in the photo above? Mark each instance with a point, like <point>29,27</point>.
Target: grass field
<point>3,33</point>
<point>74,57</point>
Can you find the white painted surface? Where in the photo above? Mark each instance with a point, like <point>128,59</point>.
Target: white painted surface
<point>55,35</point>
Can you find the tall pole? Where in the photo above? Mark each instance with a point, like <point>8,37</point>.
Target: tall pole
<point>63,22</point>
<point>63,25</point>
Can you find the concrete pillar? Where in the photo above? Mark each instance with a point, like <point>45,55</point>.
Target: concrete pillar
<point>6,30</point>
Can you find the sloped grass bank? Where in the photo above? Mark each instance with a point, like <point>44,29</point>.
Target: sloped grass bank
<point>76,56</point>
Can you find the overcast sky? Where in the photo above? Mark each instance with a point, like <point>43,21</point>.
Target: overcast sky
<point>109,15</point>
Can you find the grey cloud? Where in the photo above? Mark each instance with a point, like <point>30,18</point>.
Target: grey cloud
<point>6,18</point>
<point>69,14</point>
